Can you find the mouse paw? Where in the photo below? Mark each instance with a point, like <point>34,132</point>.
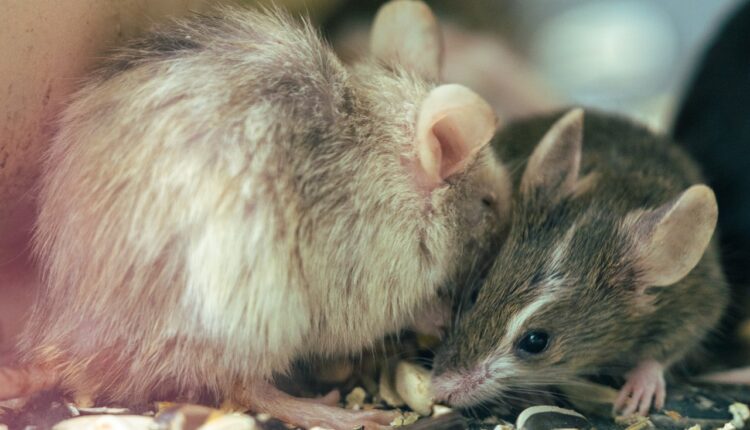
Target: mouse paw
<point>645,386</point>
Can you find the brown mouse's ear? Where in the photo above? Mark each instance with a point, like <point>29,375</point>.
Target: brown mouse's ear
<point>454,123</point>
<point>671,239</point>
<point>555,162</point>
<point>405,32</point>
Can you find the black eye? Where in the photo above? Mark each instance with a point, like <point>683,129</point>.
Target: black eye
<point>488,202</point>
<point>533,342</point>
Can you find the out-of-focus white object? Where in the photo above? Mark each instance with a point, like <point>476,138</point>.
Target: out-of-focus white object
<point>106,422</point>
<point>631,56</point>
<point>601,46</point>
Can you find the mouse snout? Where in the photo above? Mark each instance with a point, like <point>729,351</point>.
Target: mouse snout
<point>461,388</point>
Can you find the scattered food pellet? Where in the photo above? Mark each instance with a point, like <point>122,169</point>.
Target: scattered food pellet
<point>491,420</point>
<point>386,391</point>
<point>176,416</point>
<point>674,415</point>
<point>740,414</point>
<point>230,422</point>
<point>704,403</point>
<point>405,419</point>
<point>356,398</point>
<point>640,425</point>
<point>634,422</point>
<point>427,341</point>
<point>550,417</point>
<point>72,409</point>
<point>414,386</point>
<point>629,420</point>
<point>83,401</point>
<point>106,422</point>
<point>99,411</point>
<point>438,410</point>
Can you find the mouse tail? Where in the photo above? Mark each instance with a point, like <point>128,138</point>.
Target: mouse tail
<point>739,375</point>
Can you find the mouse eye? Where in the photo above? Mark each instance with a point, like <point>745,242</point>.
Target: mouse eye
<point>488,202</point>
<point>533,342</point>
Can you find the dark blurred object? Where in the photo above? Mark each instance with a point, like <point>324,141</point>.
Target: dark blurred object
<point>714,125</point>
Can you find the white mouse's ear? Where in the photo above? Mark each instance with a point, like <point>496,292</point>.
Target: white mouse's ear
<point>556,160</point>
<point>454,123</point>
<point>405,32</point>
<point>671,239</point>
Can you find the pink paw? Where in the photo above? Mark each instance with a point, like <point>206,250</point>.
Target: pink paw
<point>645,386</point>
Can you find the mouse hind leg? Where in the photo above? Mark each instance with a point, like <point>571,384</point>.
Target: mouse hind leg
<point>262,396</point>
<point>24,381</point>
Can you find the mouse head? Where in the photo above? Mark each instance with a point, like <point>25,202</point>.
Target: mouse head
<point>574,278</point>
<point>418,196</point>
<point>440,191</point>
<point>466,190</point>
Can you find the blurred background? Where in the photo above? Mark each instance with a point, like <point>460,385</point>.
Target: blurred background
<point>630,56</point>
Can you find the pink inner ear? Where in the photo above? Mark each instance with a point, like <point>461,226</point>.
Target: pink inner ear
<point>453,150</point>
<point>454,123</point>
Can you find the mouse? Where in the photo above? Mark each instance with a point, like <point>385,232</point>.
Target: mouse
<point>608,269</point>
<point>224,197</point>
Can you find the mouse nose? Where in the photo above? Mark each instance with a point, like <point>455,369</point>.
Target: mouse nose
<point>459,388</point>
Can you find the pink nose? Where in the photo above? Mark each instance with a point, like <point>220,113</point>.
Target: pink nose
<point>459,388</point>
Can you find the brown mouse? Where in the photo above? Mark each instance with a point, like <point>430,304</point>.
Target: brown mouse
<point>608,268</point>
<point>224,197</point>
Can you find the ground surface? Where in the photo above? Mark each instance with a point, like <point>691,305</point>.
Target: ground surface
<point>707,406</point>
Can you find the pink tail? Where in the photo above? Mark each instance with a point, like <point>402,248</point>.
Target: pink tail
<point>734,376</point>
<point>17,382</point>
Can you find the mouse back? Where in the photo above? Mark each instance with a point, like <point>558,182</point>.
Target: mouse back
<point>225,189</point>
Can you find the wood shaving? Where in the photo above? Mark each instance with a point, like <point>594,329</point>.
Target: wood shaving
<point>674,415</point>
<point>740,414</point>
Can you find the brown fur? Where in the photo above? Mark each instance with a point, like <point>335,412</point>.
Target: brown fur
<point>224,197</point>
<point>575,243</point>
